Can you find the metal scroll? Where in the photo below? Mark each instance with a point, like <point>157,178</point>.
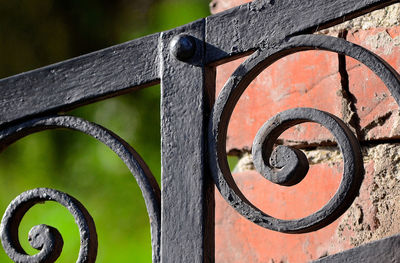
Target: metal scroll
<point>13,216</point>
<point>284,165</point>
<point>183,60</point>
<point>43,237</point>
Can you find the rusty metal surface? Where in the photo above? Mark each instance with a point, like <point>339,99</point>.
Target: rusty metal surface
<point>183,60</point>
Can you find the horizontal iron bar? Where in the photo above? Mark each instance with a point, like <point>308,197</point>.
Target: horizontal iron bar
<point>241,29</point>
<point>79,81</point>
<point>135,64</point>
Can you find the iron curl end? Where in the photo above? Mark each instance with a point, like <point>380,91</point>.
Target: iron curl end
<point>285,165</point>
<point>288,166</point>
<point>45,238</point>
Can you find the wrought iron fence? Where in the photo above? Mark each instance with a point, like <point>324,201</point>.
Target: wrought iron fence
<point>193,124</point>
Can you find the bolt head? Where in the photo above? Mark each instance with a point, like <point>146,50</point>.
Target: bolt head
<point>183,47</point>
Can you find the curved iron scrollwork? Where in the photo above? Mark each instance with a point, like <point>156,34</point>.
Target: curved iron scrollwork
<point>284,165</point>
<point>138,168</point>
<point>43,237</point>
<point>183,60</point>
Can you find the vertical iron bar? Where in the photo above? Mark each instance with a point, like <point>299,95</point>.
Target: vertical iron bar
<point>187,232</point>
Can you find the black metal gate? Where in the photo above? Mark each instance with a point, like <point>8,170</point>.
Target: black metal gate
<point>194,126</point>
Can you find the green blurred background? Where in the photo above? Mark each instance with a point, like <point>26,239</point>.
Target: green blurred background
<point>36,33</point>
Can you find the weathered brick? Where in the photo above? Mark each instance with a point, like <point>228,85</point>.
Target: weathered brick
<point>305,79</point>
<point>377,110</point>
<point>373,215</point>
<point>313,79</point>
<point>238,240</point>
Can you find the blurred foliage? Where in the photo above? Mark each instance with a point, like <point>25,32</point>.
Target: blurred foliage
<point>35,33</point>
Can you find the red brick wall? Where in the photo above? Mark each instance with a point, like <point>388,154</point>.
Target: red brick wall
<point>348,90</point>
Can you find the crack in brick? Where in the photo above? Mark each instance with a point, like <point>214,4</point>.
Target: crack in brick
<point>349,111</point>
<point>375,123</point>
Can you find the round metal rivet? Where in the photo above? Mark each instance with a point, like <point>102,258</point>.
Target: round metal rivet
<point>183,47</point>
